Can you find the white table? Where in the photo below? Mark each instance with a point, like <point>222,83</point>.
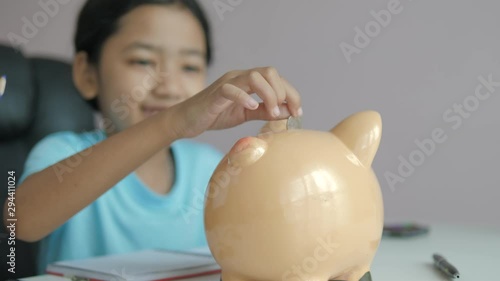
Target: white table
<point>474,251</point>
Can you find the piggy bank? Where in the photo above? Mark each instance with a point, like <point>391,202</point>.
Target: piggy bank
<point>298,204</point>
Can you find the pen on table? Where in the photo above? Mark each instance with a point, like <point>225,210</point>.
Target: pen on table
<point>3,83</point>
<point>445,267</point>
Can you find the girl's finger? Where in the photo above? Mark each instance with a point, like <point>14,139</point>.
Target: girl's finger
<point>261,113</point>
<point>292,99</point>
<point>259,85</point>
<point>237,95</point>
<point>273,78</point>
<point>219,105</point>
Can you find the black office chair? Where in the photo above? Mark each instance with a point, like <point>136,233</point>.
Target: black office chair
<point>40,99</point>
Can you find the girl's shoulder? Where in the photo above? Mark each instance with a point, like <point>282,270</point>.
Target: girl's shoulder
<point>56,147</point>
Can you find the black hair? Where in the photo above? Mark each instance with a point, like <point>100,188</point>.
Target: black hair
<point>98,20</point>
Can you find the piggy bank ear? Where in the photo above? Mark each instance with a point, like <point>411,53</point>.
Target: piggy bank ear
<point>246,151</point>
<point>361,132</point>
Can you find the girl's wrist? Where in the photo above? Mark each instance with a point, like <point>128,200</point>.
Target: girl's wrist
<point>168,124</point>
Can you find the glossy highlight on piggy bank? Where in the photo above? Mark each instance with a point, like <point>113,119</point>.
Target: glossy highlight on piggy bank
<point>298,204</point>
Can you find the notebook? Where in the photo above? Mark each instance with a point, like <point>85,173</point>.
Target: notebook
<point>147,265</point>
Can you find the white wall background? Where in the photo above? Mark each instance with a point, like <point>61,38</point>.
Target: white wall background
<point>427,58</point>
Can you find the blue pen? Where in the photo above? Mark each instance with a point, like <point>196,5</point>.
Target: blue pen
<point>445,267</point>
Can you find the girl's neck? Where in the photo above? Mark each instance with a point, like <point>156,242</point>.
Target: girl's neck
<point>158,172</point>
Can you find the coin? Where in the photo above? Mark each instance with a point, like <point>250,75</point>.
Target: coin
<point>294,123</point>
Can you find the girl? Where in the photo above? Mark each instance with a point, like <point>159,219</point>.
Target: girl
<point>143,64</point>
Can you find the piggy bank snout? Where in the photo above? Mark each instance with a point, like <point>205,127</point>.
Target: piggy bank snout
<point>247,151</point>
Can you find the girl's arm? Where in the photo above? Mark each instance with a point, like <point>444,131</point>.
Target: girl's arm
<point>43,203</point>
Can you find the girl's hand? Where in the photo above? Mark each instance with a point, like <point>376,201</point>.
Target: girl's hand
<point>227,102</point>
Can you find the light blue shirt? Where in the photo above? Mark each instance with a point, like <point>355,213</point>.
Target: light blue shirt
<point>129,216</point>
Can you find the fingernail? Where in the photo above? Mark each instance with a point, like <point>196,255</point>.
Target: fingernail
<point>253,104</point>
<point>276,111</point>
<point>299,111</point>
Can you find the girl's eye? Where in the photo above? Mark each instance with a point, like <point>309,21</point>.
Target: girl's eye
<point>143,62</point>
<point>191,68</point>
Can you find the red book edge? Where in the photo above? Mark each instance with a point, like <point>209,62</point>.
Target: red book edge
<point>164,279</point>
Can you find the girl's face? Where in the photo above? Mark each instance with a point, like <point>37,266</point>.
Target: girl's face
<point>156,59</point>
